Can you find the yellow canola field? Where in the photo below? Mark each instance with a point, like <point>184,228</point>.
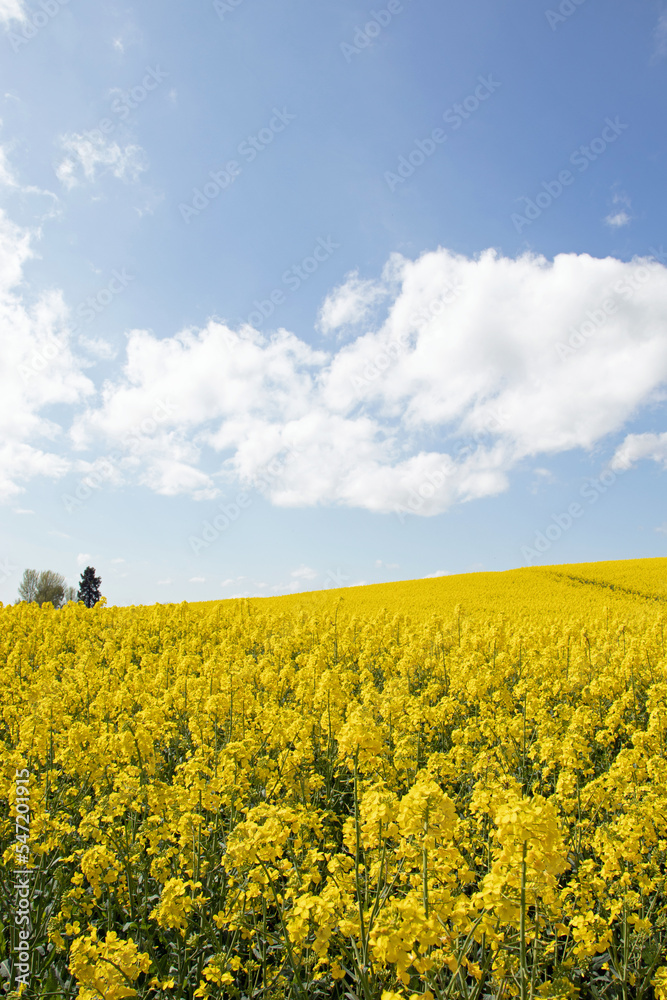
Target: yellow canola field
<point>441,788</point>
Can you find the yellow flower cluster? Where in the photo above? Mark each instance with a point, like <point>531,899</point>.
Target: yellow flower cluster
<point>438,789</point>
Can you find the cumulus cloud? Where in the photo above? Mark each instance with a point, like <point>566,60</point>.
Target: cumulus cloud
<point>478,365</point>
<point>475,366</point>
<point>38,370</point>
<point>92,152</point>
<point>639,446</point>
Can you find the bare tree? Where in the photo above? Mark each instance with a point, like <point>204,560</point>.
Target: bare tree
<point>29,585</point>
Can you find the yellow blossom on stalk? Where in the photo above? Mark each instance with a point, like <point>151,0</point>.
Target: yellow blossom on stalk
<point>176,904</point>
<point>104,968</point>
<point>360,738</point>
<point>659,983</point>
<point>530,855</point>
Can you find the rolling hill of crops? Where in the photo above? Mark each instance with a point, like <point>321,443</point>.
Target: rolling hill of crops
<point>443,788</point>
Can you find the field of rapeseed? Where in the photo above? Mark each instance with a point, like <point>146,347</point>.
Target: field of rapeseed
<point>443,789</point>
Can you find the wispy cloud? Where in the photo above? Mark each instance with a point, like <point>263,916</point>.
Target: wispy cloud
<point>621,213</point>
<point>91,154</point>
<point>660,37</point>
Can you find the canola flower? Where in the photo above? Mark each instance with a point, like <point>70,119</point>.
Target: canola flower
<point>441,789</point>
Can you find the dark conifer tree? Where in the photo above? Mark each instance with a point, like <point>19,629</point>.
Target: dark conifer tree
<point>89,587</point>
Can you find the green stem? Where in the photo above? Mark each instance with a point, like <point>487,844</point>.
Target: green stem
<point>522,927</point>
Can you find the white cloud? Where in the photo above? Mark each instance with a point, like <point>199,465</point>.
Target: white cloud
<point>639,446</point>
<point>197,579</point>
<point>435,406</point>
<point>350,303</point>
<point>662,528</point>
<point>432,406</point>
<point>12,10</point>
<point>118,560</point>
<point>23,510</point>
<point>83,559</point>
<point>621,213</point>
<point>93,151</point>
<point>618,219</point>
<point>6,176</point>
<point>379,564</point>
<point>660,37</point>
<point>165,583</point>
<point>438,572</point>
<point>130,35</point>
<point>38,368</point>
<point>98,347</point>
<point>303,573</point>
<point>621,216</point>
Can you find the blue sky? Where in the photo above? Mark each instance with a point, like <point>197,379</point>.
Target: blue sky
<point>296,296</point>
